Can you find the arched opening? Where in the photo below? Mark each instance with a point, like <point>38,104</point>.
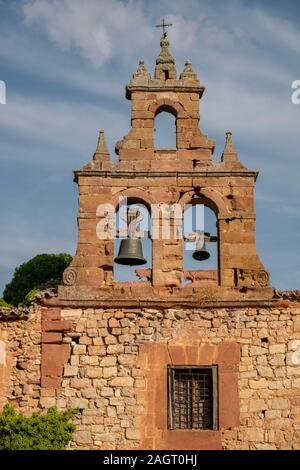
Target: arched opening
<point>165,129</point>
<point>201,240</point>
<point>133,245</point>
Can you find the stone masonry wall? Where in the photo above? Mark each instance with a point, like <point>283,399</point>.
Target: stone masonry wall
<point>20,358</point>
<point>108,377</point>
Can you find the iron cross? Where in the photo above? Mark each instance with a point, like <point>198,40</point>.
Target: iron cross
<point>164,25</point>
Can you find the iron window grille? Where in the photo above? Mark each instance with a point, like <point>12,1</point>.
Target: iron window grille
<point>192,392</point>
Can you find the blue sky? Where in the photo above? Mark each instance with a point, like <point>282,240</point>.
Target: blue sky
<point>66,63</point>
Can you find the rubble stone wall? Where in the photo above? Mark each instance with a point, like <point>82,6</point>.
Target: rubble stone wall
<point>115,372</point>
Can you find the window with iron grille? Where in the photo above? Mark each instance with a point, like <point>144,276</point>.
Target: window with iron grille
<point>192,397</point>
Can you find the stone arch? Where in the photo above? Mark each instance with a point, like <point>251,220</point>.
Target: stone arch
<point>211,198</point>
<point>133,273</point>
<point>165,104</point>
<point>134,194</point>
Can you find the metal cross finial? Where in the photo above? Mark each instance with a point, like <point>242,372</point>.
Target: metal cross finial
<point>164,25</point>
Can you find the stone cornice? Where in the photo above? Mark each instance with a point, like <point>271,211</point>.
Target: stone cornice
<point>166,303</point>
<point>159,87</point>
<point>166,174</point>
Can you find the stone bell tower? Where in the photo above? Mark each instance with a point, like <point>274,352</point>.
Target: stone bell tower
<point>177,358</point>
<point>184,175</point>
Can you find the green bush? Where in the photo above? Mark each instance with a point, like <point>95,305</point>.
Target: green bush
<point>4,304</point>
<point>31,294</point>
<point>39,273</point>
<point>37,432</point>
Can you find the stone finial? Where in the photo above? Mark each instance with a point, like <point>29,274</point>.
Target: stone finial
<point>102,152</point>
<point>141,70</point>
<point>188,72</point>
<point>165,63</point>
<point>229,153</point>
<point>141,75</point>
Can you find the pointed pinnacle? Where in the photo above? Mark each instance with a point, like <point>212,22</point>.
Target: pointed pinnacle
<point>102,152</point>
<point>229,153</point>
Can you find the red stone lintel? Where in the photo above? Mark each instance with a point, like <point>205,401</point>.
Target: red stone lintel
<point>191,440</point>
<point>57,325</point>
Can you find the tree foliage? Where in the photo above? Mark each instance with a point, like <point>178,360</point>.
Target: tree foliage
<point>36,432</point>
<point>40,272</point>
<point>4,304</point>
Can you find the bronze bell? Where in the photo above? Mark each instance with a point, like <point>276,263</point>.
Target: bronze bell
<point>201,253</point>
<point>131,253</point>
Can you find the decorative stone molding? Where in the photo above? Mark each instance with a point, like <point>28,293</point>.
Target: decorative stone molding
<point>251,279</point>
<point>70,276</point>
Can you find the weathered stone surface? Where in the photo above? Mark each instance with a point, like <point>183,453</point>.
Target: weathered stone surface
<point>277,348</point>
<point>109,372</point>
<point>122,382</point>
<point>280,404</point>
<point>257,405</point>
<point>112,389</point>
<point>70,371</point>
<point>83,438</point>
<point>104,347</point>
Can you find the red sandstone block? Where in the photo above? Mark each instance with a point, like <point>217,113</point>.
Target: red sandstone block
<point>54,355</point>
<point>90,181</point>
<point>142,115</point>
<point>187,123</point>
<point>50,382</point>
<point>151,96</point>
<point>193,439</point>
<point>131,154</point>
<point>177,354</point>
<point>51,337</point>
<point>139,95</point>
<point>141,165</point>
<point>161,165</point>
<point>140,105</point>
<point>131,144</point>
<point>57,325</point>
<point>137,123</point>
<point>229,416</point>
<point>182,143</point>
<point>52,370</point>
<point>124,166</point>
<point>147,143</point>
<point>195,154</point>
<point>107,166</point>
<point>148,123</point>
<point>51,314</point>
<point>142,133</point>
<point>201,142</point>
<point>207,354</point>
<point>194,114</point>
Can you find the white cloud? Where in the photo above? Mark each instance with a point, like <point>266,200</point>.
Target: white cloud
<point>245,56</point>
<point>280,30</point>
<point>71,126</point>
<point>96,28</point>
<point>183,34</point>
